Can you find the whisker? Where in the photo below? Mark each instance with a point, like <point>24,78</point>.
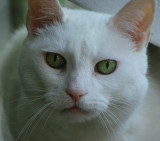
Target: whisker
<point>31,120</point>
<point>111,134</point>
<point>104,125</point>
<point>49,115</point>
<point>120,101</point>
<point>115,107</point>
<point>36,123</point>
<point>35,90</point>
<point>113,117</point>
<point>28,102</point>
<point>30,90</point>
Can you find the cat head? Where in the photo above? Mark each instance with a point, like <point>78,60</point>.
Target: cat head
<point>85,64</point>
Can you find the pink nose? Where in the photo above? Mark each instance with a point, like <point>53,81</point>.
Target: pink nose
<point>75,95</point>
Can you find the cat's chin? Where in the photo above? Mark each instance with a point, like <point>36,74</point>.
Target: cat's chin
<point>76,114</point>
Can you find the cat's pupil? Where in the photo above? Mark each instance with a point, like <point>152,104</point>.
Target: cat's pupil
<point>55,58</point>
<point>107,64</point>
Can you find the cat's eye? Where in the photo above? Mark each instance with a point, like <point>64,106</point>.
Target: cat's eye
<point>106,66</point>
<point>55,60</point>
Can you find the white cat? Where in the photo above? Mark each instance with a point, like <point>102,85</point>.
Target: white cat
<point>79,76</point>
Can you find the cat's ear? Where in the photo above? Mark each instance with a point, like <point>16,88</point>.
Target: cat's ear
<point>42,12</point>
<point>135,20</point>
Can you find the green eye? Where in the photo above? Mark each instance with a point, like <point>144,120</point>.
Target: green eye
<point>106,66</point>
<point>55,60</point>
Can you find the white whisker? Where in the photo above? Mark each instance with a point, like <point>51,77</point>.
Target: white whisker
<point>115,107</point>
<point>104,125</point>
<point>28,102</point>
<point>111,134</point>
<point>31,120</point>
<point>113,117</point>
<point>36,123</point>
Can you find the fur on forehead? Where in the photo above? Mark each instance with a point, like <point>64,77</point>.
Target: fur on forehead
<point>83,32</point>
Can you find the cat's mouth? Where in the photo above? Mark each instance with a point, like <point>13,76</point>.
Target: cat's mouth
<point>75,109</point>
<point>78,114</point>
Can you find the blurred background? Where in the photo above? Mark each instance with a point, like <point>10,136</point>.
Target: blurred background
<point>13,14</point>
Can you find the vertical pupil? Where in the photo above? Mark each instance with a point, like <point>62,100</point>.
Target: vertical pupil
<point>55,58</point>
<point>107,64</point>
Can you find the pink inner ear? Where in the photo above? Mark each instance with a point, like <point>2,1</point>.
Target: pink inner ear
<point>42,12</point>
<point>142,31</point>
<point>135,19</point>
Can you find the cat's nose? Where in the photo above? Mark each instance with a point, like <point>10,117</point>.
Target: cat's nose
<point>75,94</point>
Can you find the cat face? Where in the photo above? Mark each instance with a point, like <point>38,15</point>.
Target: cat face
<point>101,67</point>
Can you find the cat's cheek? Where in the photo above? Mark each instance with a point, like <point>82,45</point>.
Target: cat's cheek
<point>59,101</point>
<point>143,87</point>
<point>94,102</point>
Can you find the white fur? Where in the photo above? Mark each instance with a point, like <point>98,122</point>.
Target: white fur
<point>111,101</point>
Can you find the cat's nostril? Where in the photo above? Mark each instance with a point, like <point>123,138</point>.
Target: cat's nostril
<point>75,95</point>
